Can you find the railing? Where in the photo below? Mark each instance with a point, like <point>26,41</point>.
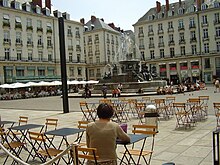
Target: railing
<point>72,148</point>
<point>216,153</point>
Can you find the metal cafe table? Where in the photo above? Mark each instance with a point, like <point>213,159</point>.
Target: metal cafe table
<point>134,139</point>
<point>2,123</point>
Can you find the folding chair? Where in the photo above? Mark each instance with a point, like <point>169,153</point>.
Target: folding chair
<point>81,125</point>
<point>169,102</point>
<point>140,110</point>
<point>21,121</point>
<point>50,124</point>
<point>204,106</point>
<point>162,108</point>
<point>87,153</point>
<point>217,113</point>
<point>145,150</point>
<point>182,115</point>
<point>41,148</point>
<point>107,101</point>
<point>195,108</point>
<point>14,147</point>
<point>88,114</point>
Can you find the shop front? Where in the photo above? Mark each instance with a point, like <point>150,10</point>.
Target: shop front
<point>173,73</point>
<point>163,70</point>
<point>195,70</point>
<point>183,70</point>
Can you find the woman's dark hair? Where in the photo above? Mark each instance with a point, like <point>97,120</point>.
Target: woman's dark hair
<point>105,111</point>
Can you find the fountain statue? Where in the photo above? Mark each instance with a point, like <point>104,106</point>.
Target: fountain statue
<point>127,69</point>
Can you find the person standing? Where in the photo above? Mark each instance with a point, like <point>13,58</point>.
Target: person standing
<point>104,90</point>
<point>217,86</point>
<point>102,135</point>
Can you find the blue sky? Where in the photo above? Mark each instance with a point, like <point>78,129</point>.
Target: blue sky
<point>123,13</point>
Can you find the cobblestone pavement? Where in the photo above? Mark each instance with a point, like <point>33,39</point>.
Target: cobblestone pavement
<point>182,146</point>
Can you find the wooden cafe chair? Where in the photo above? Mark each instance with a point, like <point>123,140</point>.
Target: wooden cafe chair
<point>85,153</point>
<point>88,114</point>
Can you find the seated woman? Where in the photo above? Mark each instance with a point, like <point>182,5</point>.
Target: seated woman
<point>102,135</point>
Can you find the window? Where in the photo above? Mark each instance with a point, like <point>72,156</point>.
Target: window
<point>29,39</point>
<point>40,55</point>
<point>181,24</point>
<point>193,34</point>
<point>141,41</point>
<point>78,58</point>
<point>19,54</point>
<point>170,37</point>
<point>142,55</point>
<point>29,22</point>
<point>182,50</point>
<point>7,53</point>
<point>20,72</point>
<point>70,57</point>
<point>180,11</point>
<point>216,18</point>
<point>91,72</point>
<point>41,72</point>
<point>206,47</point>
<point>172,52</point>
<point>205,33</point>
<point>69,30</point>
<point>161,53</point>
<point>150,28</point>
<point>49,26</point>
<point>218,46</point>
<point>207,63</point>
<point>160,39</point>
<point>194,51</point>
<point>30,55</point>
<point>140,30</point>
<point>77,31</point>
<point>170,25</point>
<point>204,19</point>
<point>97,59</point>
<point>6,3</point>
<point>151,40</point>
<point>50,56</point>
<point>217,30</point>
<point>39,23</point>
<point>6,19</point>
<point>191,22</point>
<point>49,41</point>
<point>160,26</point>
<point>79,69</point>
<point>216,4</point>
<point>18,20</point>
<point>204,6</point>
<point>71,71</point>
<point>40,40</point>
<point>6,36</point>
<point>181,36</point>
<point>152,54</point>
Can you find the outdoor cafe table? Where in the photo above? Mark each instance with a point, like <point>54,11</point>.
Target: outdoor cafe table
<point>134,139</point>
<point>2,123</point>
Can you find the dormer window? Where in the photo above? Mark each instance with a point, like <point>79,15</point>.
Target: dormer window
<point>192,9</point>
<point>204,6</point>
<point>17,5</point>
<point>47,12</point>
<point>86,28</point>
<point>92,26</point>
<point>6,3</point>
<point>38,9</point>
<point>28,7</point>
<point>150,17</point>
<point>216,4</point>
<point>181,11</point>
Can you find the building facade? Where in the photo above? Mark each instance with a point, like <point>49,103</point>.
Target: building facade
<point>101,47</point>
<point>29,40</point>
<point>181,40</point>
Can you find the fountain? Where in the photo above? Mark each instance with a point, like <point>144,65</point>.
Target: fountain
<point>127,69</point>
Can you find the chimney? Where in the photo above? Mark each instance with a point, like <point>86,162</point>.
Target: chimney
<point>82,21</point>
<point>48,4</point>
<point>37,2</point>
<point>180,3</point>
<point>102,20</point>
<point>167,5</point>
<point>111,25</point>
<point>158,6</point>
<point>93,18</point>
<point>198,4</point>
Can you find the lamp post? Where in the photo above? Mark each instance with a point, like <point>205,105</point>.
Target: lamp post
<point>63,65</point>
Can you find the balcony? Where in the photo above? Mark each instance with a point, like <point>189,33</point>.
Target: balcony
<point>50,46</point>
<point>170,30</point>
<point>49,31</point>
<point>192,40</point>
<point>192,26</point>
<point>181,28</point>
<point>40,29</point>
<point>171,43</point>
<point>30,44</point>
<point>70,47</point>
<point>90,53</point>
<point>69,34</point>
<point>204,24</point>
<point>151,46</point>
<point>96,41</point>
<point>160,31</point>
<point>141,47</point>
<point>182,41</point>
<point>7,41</point>
<point>78,48</point>
<point>40,45</point>
<point>97,52</point>
<point>77,35</point>
<point>161,44</point>
<point>6,24</point>
<point>29,28</point>
<point>18,26</point>
<point>108,41</point>
<point>217,37</point>
<point>18,42</point>
<point>141,34</point>
<point>150,33</point>
<point>90,42</point>
<point>206,38</point>
<point>216,22</point>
